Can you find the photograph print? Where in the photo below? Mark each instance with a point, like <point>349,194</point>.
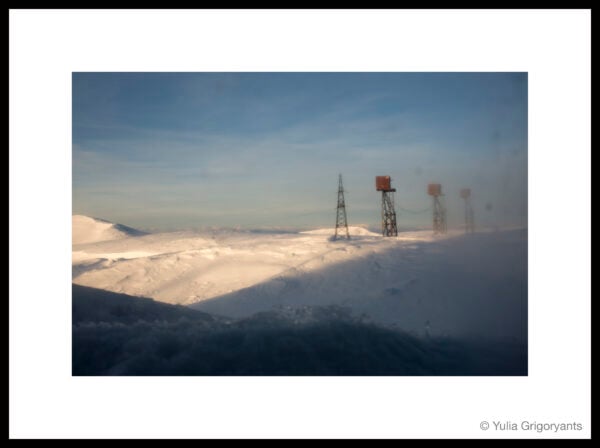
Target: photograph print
<point>299,224</point>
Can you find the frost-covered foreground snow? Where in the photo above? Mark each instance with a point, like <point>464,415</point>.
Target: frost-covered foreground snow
<point>451,285</point>
<point>116,334</point>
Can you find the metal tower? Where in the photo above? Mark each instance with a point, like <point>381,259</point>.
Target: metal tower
<point>340,220</point>
<point>465,193</point>
<point>439,209</point>
<point>388,213</point>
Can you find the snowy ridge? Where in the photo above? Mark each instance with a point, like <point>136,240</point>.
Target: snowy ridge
<point>93,230</point>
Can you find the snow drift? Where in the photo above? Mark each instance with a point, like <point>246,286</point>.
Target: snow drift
<point>189,267</point>
<point>93,230</point>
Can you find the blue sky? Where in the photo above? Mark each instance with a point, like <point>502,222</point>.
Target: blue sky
<point>168,151</point>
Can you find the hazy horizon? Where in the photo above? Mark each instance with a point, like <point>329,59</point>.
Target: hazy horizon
<point>251,150</point>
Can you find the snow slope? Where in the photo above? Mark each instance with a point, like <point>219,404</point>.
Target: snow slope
<point>468,286</point>
<point>188,267</point>
<point>92,230</point>
<point>454,284</point>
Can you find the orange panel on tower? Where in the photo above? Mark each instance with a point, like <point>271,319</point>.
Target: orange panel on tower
<point>383,183</point>
<point>434,189</point>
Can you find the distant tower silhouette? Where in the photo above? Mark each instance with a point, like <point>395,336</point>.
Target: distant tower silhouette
<point>388,213</point>
<point>439,210</point>
<point>465,193</point>
<point>340,221</point>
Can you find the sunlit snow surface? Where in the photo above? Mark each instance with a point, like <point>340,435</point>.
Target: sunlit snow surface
<point>450,285</point>
<point>93,230</point>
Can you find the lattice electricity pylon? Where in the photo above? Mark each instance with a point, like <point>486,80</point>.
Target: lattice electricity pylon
<point>439,209</point>
<point>340,221</point>
<point>465,193</point>
<point>388,212</point>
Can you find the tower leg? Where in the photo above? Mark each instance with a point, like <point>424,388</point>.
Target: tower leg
<point>439,216</point>
<point>388,214</point>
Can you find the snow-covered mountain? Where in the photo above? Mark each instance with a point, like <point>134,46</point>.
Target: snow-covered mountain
<point>92,230</point>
